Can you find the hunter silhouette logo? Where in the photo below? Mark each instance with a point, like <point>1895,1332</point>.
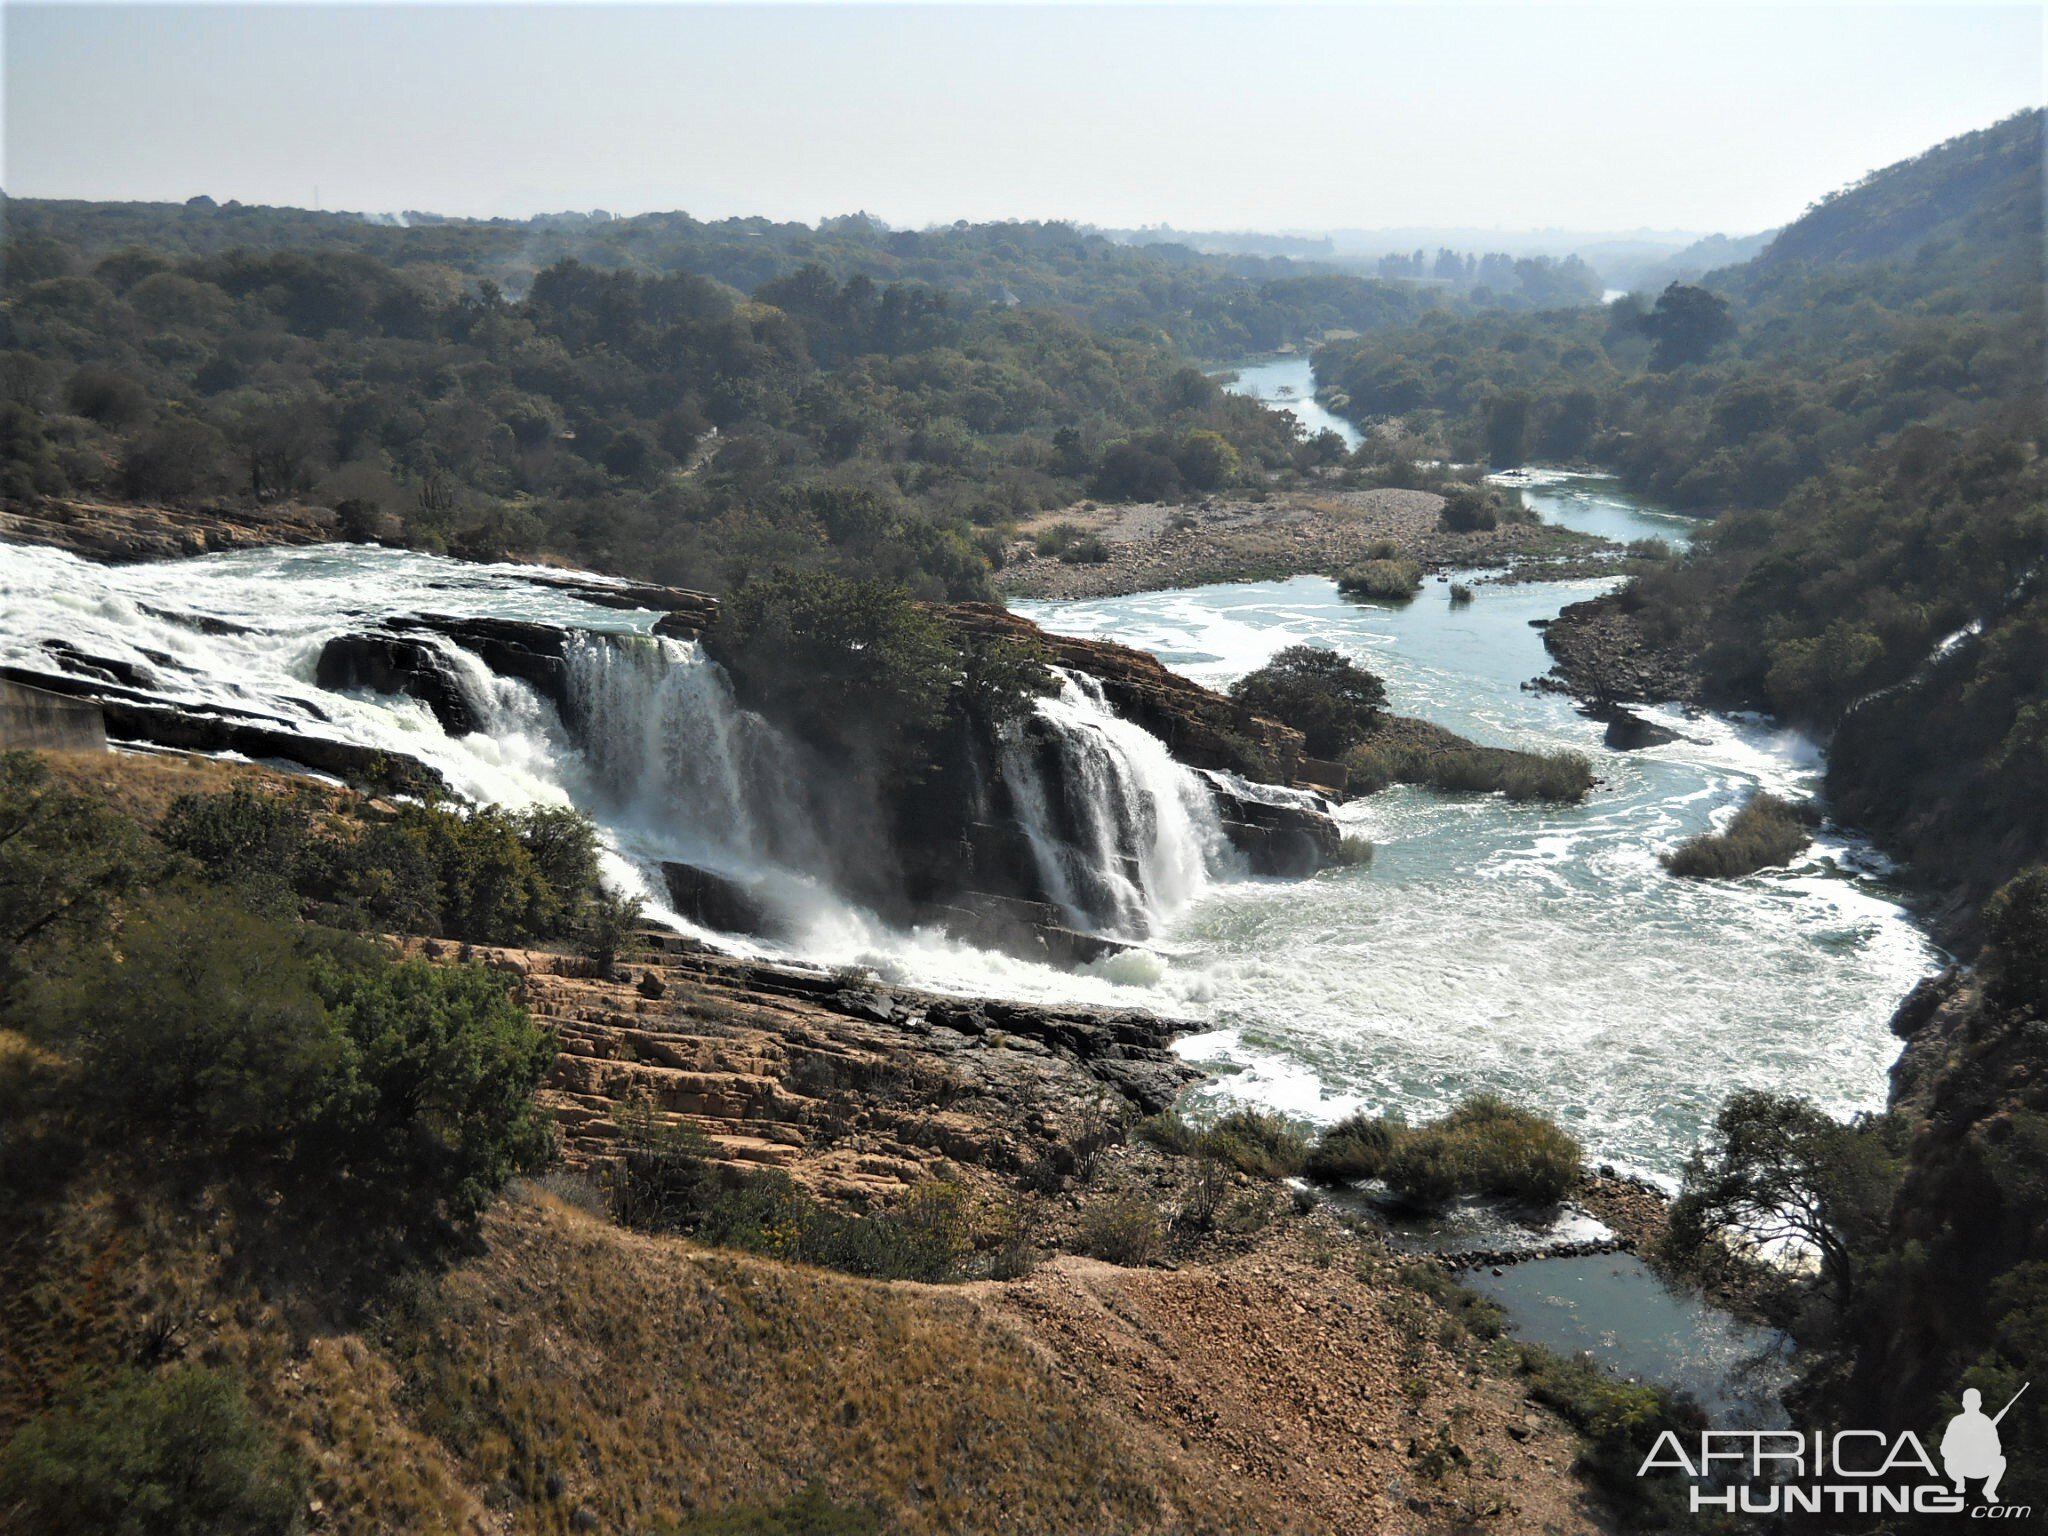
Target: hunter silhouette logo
<point>1845,1471</point>
<point>1970,1448</point>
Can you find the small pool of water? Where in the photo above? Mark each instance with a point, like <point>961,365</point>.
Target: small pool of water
<point>1614,1308</point>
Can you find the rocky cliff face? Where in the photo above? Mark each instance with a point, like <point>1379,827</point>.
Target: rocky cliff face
<point>1969,1226</point>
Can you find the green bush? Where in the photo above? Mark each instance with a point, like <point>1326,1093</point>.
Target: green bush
<point>1124,1230</point>
<point>1355,1148</point>
<point>1468,509</point>
<point>1485,1146</point>
<point>434,1109</point>
<point>1256,1142</point>
<point>65,862</point>
<point>402,1089</point>
<point>1329,698</point>
<point>1249,1140</point>
<point>133,1454</point>
<point>1091,550</point>
<point>1563,778</point>
<point>490,876</point>
<point>1386,580</point>
<point>1767,831</point>
<point>257,842</point>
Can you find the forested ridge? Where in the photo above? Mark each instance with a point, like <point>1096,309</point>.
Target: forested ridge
<point>1861,405</point>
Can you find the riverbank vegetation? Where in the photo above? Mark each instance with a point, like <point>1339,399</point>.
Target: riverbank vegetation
<point>671,399</point>
<point>1404,751</point>
<point>1329,698</point>
<point>1766,831</point>
<point>1393,581</point>
<point>1925,1224</point>
<point>1485,1146</point>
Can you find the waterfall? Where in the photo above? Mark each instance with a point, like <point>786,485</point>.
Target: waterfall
<point>665,741</point>
<point>1123,836</point>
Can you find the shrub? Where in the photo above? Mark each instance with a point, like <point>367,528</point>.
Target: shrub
<point>206,1032</point>
<point>490,876</point>
<point>1461,595</point>
<point>1249,1140</point>
<point>1054,540</point>
<point>1355,1148</point>
<point>254,841</point>
<point>1559,777</point>
<point>1204,1197</point>
<point>563,844</point>
<point>1387,580</point>
<point>65,861</point>
<point>606,928</point>
<point>174,1454</point>
<point>1330,699</point>
<point>1765,832</point>
<point>434,1109</point>
<point>1468,509</point>
<point>1256,1142</point>
<point>1087,551</point>
<point>1486,1146</point>
<point>1618,1423</point>
<point>1125,1230</point>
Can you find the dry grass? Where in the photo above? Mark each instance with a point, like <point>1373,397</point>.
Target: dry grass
<point>142,785</point>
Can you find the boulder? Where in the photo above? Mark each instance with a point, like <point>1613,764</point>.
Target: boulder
<point>1630,732</point>
<point>393,664</point>
<point>534,653</point>
<point>720,902</point>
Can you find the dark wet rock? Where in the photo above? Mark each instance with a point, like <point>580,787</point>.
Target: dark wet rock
<point>720,902</point>
<point>107,669</point>
<point>1277,838</point>
<point>395,665</point>
<point>534,653</point>
<point>1630,732</point>
<point>1030,930</point>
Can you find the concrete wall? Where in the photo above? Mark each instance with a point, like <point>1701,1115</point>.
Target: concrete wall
<point>31,719</point>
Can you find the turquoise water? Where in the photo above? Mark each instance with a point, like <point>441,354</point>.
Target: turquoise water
<point>1537,951</point>
<point>1613,1308</point>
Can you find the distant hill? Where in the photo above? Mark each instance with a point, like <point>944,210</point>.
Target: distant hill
<point>1983,188</point>
<point>1688,265</point>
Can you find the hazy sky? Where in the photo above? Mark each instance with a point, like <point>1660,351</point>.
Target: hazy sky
<point>1501,116</point>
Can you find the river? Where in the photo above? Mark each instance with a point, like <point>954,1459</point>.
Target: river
<point>1287,383</point>
<point>1538,951</point>
<point>1541,952</point>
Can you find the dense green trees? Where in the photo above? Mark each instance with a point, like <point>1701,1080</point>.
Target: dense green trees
<point>1328,697</point>
<point>187,1027</point>
<point>128,1453</point>
<point>868,408</point>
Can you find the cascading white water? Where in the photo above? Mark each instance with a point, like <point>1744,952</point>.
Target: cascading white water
<point>671,747</point>
<point>1124,837</point>
<point>660,752</point>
